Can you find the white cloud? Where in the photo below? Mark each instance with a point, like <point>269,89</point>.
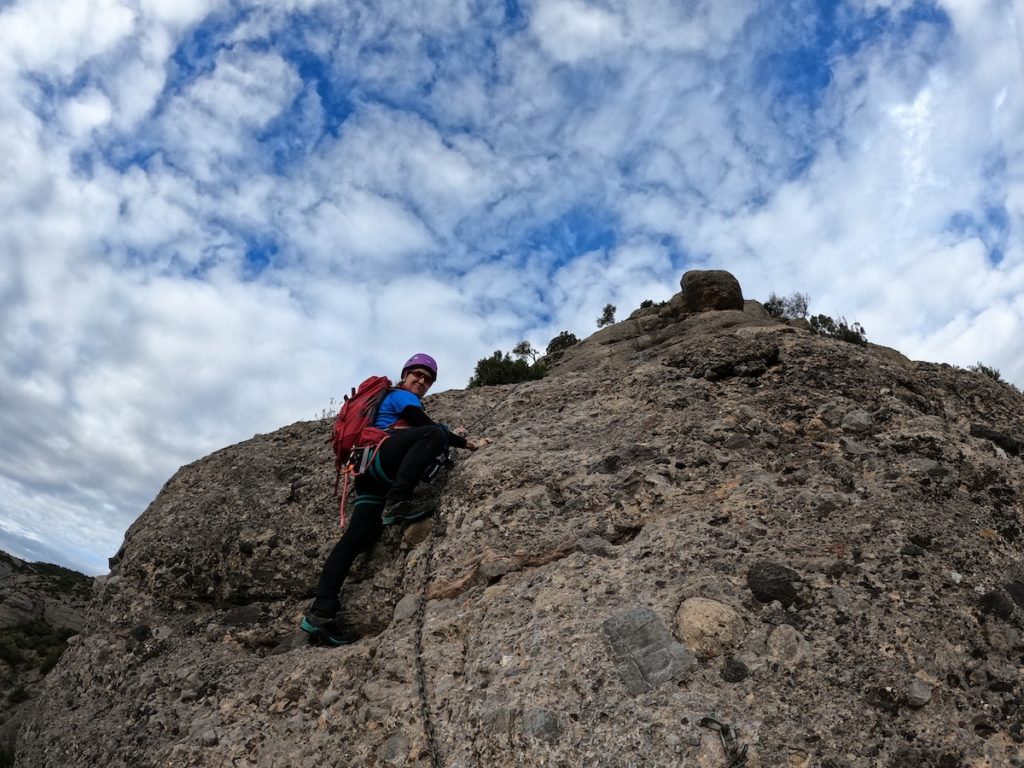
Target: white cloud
<point>211,124</point>
<point>571,30</point>
<point>623,277</point>
<point>135,88</point>
<point>403,158</point>
<point>87,111</point>
<point>58,37</point>
<point>176,13</point>
<point>361,233</point>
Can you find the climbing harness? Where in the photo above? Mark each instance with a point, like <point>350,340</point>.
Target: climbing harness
<point>359,460</point>
<point>735,752</point>
<point>421,674</point>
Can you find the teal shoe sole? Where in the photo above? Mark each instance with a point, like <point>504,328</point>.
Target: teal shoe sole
<point>413,517</point>
<point>305,626</point>
<point>319,635</point>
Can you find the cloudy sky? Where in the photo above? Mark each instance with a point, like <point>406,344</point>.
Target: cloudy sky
<point>216,216</point>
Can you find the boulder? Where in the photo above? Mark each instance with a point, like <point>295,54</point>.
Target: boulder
<point>711,289</point>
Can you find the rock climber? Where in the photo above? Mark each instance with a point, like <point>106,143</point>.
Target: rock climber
<point>385,491</point>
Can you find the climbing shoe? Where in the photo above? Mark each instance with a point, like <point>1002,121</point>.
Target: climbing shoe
<point>405,510</point>
<point>323,630</point>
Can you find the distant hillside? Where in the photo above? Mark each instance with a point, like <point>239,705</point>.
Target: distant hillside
<point>41,606</point>
<point>701,511</point>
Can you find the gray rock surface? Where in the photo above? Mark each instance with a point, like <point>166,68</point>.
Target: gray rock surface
<point>663,459</point>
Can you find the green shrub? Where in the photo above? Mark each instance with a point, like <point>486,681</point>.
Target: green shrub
<point>824,325</point>
<point>500,368</point>
<point>561,342</point>
<point>791,307</point>
<point>794,307</point>
<point>65,580</point>
<point>987,370</point>
<point>329,413</point>
<point>607,316</point>
<point>994,374</point>
<point>33,644</point>
<point>646,303</point>
<point>523,350</point>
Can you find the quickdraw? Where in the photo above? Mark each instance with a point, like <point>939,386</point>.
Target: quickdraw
<point>735,752</point>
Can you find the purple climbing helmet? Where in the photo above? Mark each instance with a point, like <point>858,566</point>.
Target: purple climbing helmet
<point>420,360</point>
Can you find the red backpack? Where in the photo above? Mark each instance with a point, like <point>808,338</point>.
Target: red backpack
<point>354,432</point>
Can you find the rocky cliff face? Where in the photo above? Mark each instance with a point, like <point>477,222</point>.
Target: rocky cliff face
<point>41,605</point>
<point>695,513</point>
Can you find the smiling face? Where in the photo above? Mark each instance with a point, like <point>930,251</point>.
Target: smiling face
<point>417,381</point>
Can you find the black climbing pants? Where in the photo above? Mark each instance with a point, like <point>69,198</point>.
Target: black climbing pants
<point>398,467</point>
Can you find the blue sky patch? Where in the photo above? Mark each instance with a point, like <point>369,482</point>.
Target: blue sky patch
<point>580,230</point>
<point>259,255</point>
<point>991,225</point>
<point>196,55</point>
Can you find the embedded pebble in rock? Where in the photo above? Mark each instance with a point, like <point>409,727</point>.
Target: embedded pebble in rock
<point>926,467</point>
<point>854,448</point>
<point>707,627</point>
<point>541,724</point>
<point>997,603</point>
<point>734,671</point>
<point>328,697</point>
<point>858,422</point>
<point>394,751</point>
<point>407,607</point>
<point>912,550</point>
<point>771,581</point>
<point>719,454</point>
<point>595,545</point>
<point>788,646</point>
<point>646,652</point>
<point>919,694</point>
<point>1016,591</point>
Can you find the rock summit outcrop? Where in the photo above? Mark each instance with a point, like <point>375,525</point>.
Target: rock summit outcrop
<point>706,290</point>
<point>697,513</point>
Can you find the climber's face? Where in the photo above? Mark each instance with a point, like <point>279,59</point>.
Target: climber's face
<point>417,381</point>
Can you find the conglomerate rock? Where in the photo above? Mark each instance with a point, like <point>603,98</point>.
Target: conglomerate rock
<point>873,502</point>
